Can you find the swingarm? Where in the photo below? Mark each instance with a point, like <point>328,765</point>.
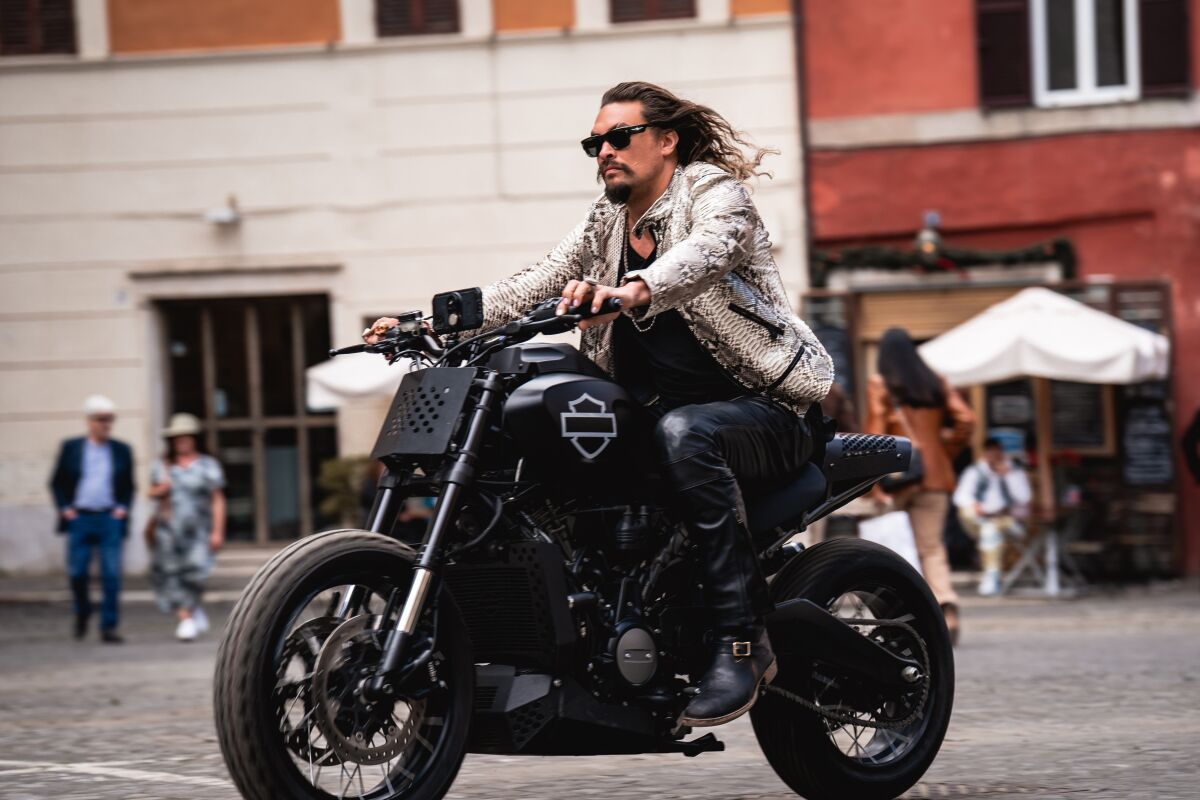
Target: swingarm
<point>823,637</point>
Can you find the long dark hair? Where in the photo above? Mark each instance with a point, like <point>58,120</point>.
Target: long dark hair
<point>907,376</point>
<point>704,135</point>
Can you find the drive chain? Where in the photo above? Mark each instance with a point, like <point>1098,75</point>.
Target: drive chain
<point>850,719</point>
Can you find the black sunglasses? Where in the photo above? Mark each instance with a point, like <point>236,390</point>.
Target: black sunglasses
<point>617,137</point>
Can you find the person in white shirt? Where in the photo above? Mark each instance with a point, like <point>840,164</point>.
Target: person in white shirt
<point>992,498</point>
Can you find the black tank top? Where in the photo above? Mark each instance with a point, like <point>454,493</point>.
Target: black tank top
<point>665,359</point>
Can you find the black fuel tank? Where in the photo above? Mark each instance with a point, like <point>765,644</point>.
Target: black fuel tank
<point>541,358</point>
<point>575,427</point>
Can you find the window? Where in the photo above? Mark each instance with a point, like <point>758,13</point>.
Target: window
<point>1071,52</point>
<point>36,27</point>
<point>415,17</point>
<point>1084,51</point>
<point>239,365</point>
<point>644,10</point>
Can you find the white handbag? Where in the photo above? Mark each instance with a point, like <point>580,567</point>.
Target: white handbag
<point>894,531</point>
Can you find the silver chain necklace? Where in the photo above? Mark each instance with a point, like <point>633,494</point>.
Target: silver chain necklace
<point>624,269</point>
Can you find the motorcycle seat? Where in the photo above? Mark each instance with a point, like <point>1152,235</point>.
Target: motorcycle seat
<point>850,462</point>
<point>782,507</point>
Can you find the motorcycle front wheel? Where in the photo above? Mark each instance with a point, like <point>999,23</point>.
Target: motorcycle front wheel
<point>848,739</point>
<point>305,635</point>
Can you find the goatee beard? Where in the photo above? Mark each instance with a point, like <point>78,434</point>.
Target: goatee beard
<point>617,192</point>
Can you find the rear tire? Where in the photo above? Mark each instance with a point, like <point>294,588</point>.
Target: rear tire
<point>804,748</point>
<point>263,636</point>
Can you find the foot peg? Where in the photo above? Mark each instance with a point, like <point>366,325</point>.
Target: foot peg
<point>708,743</point>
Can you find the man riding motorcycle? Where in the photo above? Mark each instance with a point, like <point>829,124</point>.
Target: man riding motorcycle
<point>706,341</point>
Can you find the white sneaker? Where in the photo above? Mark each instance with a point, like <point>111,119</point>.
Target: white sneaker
<point>186,630</point>
<point>201,619</point>
<point>989,586</point>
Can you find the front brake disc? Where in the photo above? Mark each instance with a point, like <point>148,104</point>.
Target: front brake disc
<point>359,730</point>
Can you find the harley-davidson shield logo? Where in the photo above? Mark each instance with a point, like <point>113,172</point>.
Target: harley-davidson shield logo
<point>589,425</point>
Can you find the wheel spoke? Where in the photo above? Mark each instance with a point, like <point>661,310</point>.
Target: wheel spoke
<point>311,777</point>
<point>322,721</point>
<point>387,776</point>
<point>865,736</point>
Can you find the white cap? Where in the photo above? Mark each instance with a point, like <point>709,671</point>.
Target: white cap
<point>98,404</point>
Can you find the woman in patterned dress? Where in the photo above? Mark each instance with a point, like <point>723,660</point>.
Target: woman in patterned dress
<point>190,524</point>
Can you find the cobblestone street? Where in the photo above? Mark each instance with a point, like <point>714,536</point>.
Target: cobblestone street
<point>1093,698</point>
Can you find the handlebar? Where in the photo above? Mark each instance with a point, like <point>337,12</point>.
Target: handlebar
<point>390,345</point>
<point>540,319</point>
<point>544,312</point>
<point>610,306</point>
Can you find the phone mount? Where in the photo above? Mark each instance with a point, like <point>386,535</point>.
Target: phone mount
<point>461,310</point>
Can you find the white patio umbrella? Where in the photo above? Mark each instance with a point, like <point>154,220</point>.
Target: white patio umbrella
<point>1041,334</point>
<point>330,384</point>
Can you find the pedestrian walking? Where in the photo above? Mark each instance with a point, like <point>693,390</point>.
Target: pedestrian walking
<point>992,499</point>
<point>907,398</point>
<point>188,527</point>
<point>92,485</point>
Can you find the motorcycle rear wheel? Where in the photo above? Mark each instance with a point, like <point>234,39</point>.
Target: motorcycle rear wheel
<point>821,759</point>
<point>288,720</point>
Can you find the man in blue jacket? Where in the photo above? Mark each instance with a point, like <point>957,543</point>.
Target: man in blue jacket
<point>93,488</point>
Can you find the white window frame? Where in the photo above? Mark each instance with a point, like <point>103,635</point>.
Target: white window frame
<point>1086,92</point>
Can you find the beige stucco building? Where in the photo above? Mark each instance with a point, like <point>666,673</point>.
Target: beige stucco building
<point>190,189</point>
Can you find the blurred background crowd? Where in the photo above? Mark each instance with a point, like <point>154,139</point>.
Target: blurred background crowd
<point>198,199</point>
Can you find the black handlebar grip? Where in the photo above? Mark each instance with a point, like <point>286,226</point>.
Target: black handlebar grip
<point>343,351</point>
<point>610,306</point>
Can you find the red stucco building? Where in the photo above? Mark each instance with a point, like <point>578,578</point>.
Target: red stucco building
<point>1019,121</point>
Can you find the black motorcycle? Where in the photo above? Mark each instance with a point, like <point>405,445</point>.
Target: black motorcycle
<point>552,606</point>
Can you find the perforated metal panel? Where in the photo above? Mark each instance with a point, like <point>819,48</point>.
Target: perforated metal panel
<point>861,456</point>
<point>861,444</point>
<point>424,412</point>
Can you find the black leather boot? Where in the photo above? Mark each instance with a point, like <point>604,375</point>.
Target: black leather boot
<point>730,687</point>
<point>737,594</point>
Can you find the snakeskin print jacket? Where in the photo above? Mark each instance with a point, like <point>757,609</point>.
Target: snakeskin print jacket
<point>714,266</point>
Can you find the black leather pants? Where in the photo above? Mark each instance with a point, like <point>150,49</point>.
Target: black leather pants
<point>711,454</point>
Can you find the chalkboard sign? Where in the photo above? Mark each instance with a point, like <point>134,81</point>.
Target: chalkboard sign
<point>1010,403</point>
<point>1010,415</point>
<point>1146,440</point>
<point>1078,416</point>
<point>1147,444</point>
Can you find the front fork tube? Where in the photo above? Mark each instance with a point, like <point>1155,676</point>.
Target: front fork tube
<point>382,514</point>
<point>460,477</point>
